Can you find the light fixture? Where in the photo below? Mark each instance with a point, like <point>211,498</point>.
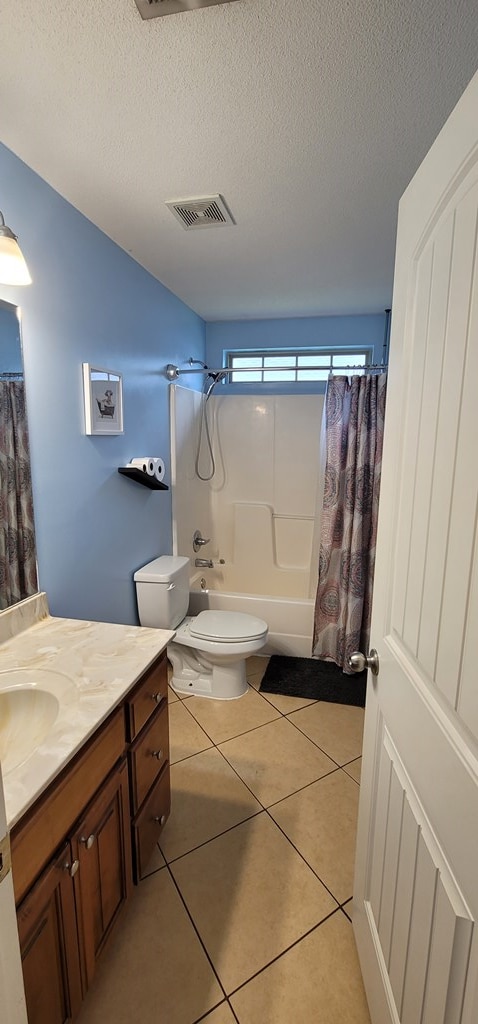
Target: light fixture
<point>13,269</point>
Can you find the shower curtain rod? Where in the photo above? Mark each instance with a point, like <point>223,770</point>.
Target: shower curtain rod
<point>173,372</point>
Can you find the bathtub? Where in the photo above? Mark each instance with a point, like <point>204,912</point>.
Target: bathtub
<point>290,619</point>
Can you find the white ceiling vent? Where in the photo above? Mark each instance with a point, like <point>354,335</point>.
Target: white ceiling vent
<point>158,8</point>
<point>207,212</point>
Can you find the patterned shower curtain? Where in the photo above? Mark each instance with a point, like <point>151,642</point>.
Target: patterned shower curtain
<point>18,572</point>
<point>354,412</point>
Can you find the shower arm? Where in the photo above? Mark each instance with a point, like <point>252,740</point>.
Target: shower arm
<point>173,372</point>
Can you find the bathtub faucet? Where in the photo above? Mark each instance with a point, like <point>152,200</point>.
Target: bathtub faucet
<point>204,563</point>
<point>198,540</point>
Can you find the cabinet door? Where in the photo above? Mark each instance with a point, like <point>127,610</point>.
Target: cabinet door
<point>102,844</point>
<point>49,945</point>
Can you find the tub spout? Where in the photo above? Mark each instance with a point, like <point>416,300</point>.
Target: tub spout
<point>204,563</point>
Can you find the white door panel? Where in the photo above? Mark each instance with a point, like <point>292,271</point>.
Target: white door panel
<point>416,887</point>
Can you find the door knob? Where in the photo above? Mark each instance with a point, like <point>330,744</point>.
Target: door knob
<point>357,662</point>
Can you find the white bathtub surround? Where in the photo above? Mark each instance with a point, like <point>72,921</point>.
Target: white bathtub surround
<point>264,496</point>
<point>102,661</point>
<point>262,508</point>
<point>191,496</point>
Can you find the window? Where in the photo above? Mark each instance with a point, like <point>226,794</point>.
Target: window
<point>300,364</point>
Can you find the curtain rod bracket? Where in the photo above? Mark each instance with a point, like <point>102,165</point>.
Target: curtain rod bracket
<point>172,372</point>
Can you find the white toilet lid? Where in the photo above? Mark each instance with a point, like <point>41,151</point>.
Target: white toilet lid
<point>227,626</point>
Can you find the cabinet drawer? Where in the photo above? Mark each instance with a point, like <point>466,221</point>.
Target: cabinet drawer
<point>148,824</point>
<point>47,824</point>
<point>143,701</point>
<point>148,755</point>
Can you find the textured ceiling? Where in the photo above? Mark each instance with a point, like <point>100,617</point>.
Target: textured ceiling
<point>308,116</point>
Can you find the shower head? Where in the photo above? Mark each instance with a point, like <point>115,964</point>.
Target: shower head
<point>199,362</point>
<point>216,377</point>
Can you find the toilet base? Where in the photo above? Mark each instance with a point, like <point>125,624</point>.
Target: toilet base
<point>223,678</point>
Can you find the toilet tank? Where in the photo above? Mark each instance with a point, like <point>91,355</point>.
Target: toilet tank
<point>162,591</point>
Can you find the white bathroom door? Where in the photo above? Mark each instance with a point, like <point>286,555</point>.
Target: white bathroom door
<point>416,885</point>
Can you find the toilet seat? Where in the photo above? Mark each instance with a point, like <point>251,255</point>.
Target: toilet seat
<point>212,645</point>
<point>227,627</point>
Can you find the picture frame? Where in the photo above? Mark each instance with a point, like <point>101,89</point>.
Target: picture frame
<point>103,399</point>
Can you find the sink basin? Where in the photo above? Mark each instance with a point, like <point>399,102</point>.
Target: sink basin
<point>30,703</point>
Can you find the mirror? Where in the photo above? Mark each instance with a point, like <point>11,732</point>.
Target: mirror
<point>18,567</point>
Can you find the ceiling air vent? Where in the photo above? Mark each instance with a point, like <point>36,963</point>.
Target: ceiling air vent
<point>208,212</point>
<point>158,8</point>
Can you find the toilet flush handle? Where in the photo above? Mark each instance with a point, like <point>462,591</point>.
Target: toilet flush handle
<point>172,586</point>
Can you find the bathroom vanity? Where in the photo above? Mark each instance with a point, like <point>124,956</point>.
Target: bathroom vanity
<point>86,809</point>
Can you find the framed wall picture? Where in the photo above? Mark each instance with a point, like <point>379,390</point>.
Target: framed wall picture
<point>103,396</point>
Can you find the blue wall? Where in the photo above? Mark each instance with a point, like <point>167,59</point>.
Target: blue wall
<point>90,302</point>
<point>297,332</point>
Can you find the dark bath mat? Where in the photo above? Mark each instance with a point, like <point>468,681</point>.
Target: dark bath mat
<point>313,679</point>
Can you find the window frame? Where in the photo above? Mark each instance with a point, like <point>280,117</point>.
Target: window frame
<point>286,353</point>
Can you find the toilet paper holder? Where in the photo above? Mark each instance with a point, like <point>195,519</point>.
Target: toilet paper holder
<point>145,479</point>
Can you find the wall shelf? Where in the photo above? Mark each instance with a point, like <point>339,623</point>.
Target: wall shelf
<point>143,478</point>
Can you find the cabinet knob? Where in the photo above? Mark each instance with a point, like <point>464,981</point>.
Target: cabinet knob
<point>71,868</point>
<point>157,754</point>
<point>157,697</point>
<point>160,819</point>
<point>88,841</point>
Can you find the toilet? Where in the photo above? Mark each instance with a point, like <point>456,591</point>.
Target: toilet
<point>209,651</point>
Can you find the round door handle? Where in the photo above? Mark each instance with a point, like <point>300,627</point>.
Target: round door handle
<point>160,819</point>
<point>157,697</point>
<point>157,754</point>
<point>87,841</point>
<point>358,662</point>
<point>71,868</point>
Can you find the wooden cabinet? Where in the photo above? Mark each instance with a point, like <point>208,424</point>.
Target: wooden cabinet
<point>49,945</point>
<point>148,755</point>
<point>147,696</point>
<point>66,918</point>
<point>47,824</point>
<point>102,846</point>
<point>147,718</point>
<point>72,852</point>
<point>149,822</point>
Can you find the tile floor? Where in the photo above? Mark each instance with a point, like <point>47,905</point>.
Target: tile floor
<point>243,916</point>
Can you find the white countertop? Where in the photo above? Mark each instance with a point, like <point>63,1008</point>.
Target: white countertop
<point>103,660</point>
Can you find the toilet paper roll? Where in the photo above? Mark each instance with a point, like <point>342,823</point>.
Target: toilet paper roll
<point>146,463</point>
<point>158,469</point>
